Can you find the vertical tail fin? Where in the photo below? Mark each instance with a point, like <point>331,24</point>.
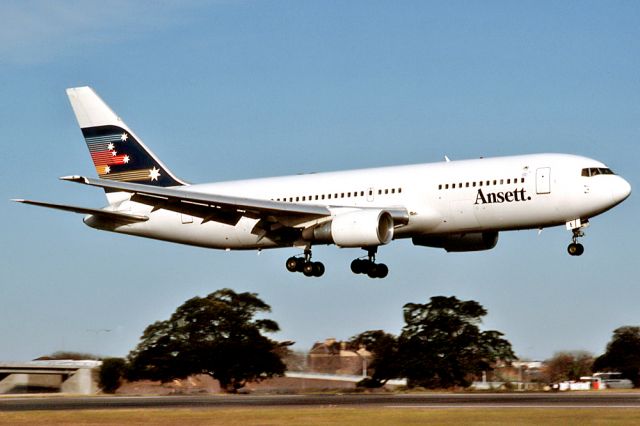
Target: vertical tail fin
<point>117,153</point>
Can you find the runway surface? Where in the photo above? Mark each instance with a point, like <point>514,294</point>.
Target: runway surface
<point>429,400</point>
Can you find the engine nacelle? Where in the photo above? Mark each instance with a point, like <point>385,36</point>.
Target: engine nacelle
<point>472,241</point>
<point>361,228</point>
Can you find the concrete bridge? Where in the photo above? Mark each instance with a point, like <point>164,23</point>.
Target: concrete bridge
<point>74,377</point>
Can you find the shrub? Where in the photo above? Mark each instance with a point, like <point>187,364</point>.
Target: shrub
<point>111,373</point>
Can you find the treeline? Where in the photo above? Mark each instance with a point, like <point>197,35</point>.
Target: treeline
<point>622,355</point>
<point>440,346</point>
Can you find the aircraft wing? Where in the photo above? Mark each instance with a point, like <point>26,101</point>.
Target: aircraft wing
<point>117,216</point>
<point>222,208</point>
<point>211,207</point>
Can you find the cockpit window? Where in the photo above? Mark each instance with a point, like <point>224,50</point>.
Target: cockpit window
<point>594,171</point>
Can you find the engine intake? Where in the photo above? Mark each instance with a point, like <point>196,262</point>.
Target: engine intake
<point>359,228</point>
<point>472,241</point>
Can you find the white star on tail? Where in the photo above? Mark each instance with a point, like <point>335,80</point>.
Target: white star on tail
<point>154,174</point>
<point>110,146</point>
<point>126,159</point>
<point>124,137</point>
<point>107,169</point>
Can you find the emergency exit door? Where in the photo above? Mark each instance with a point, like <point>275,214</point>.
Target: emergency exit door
<point>543,180</point>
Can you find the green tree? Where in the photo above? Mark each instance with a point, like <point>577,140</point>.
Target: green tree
<point>384,347</point>
<point>442,346</point>
<point>623,354</point>
<point>111,373</point>
<point>215,335</point>
<point>568,366</point>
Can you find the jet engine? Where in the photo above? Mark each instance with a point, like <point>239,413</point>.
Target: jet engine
<point>472,241</point>
<point>360,228</point>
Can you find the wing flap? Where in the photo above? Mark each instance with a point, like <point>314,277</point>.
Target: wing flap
<point>204,211</point>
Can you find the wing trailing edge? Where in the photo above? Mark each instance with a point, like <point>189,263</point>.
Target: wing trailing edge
<point>106,214</point>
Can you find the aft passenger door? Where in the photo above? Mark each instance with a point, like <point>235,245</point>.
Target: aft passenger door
<point>543,180</point>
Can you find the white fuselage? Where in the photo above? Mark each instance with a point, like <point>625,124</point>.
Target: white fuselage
<point>492,194</point>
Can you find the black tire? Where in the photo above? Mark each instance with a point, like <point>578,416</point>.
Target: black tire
<point>308,269</point>
<point>358,266</point>
<point>382,270</point>
<point>372,270</point>
<point>292,264</point>
<point>318,269</point>
<point>575,249</point>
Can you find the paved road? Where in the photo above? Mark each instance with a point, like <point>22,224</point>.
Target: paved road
<point>493,400</point>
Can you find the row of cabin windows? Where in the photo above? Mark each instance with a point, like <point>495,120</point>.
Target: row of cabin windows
<point>336,195</point>
<point>479,183</point>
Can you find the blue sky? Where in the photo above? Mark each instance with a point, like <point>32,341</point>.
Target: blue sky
<point>225,90</point>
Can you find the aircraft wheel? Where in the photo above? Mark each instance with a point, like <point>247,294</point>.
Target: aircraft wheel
<point>575,249</point>
<point>308,269</point>
<point>372,270</point>
<point>358,266</point>
<point>382,270</point>
<point>318,269</point>
<point>292,264</point>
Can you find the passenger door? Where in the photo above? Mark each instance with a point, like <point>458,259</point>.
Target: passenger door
<point>543,180</point>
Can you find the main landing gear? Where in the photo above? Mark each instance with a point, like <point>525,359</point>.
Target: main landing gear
<point>305,265</point>
<point>575,248</point>
<point>369,266</point>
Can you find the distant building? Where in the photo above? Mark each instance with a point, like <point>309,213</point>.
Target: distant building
<point>66,376</point>
<point>334,357</point>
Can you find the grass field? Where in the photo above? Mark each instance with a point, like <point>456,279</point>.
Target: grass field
<point>330,416</point>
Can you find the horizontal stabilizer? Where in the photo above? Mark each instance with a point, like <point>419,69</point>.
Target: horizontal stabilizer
<point>124,217</point>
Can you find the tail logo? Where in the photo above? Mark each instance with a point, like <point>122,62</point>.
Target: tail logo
<point>117,155</point>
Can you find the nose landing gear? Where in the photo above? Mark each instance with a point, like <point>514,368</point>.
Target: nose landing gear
<point>305,265</point>
<point>369,266</point>
<point>575,248</point>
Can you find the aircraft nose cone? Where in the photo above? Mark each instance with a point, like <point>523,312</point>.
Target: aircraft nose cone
<point>620,191</point>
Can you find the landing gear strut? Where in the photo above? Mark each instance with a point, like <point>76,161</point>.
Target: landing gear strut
<point>575,248</point>
<point>369,266</point>
<point>305,265</point>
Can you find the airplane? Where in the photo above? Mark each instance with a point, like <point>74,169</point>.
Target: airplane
<point>457,206</point>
